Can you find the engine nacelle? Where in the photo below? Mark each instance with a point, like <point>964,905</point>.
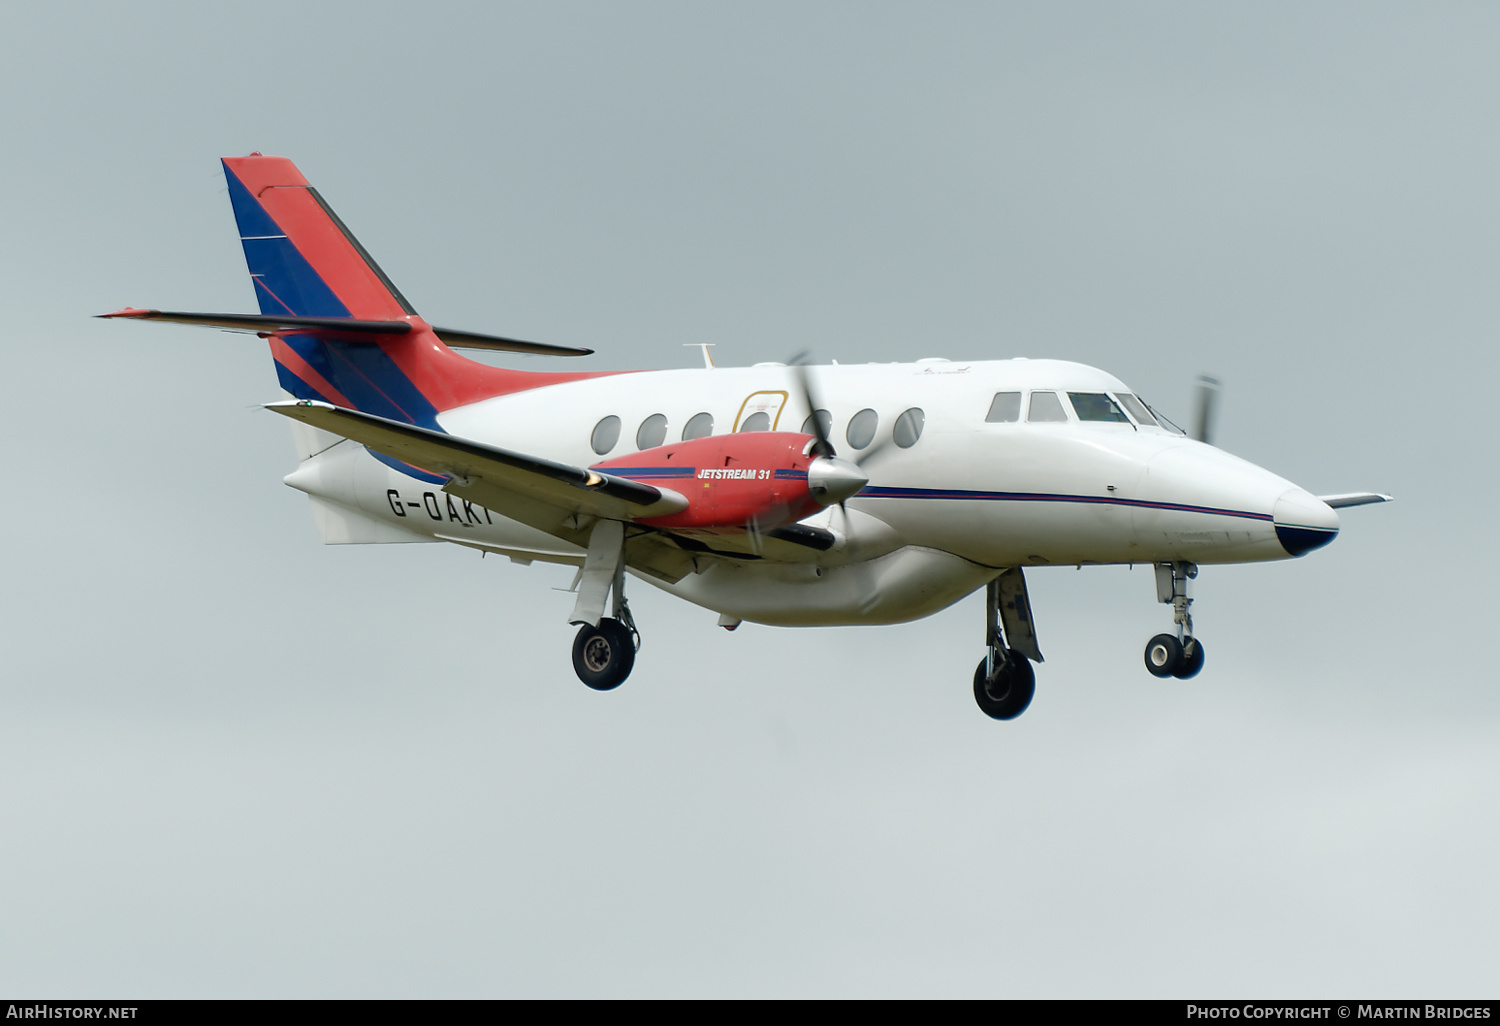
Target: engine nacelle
<point>757,480</point>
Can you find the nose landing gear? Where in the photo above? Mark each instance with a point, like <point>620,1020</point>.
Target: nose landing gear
<point>1179,655</point>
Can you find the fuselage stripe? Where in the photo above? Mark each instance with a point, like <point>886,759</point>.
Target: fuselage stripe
<point>1100,500</point>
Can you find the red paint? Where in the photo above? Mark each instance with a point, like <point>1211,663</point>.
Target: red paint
<point>283,192</point>
<point>733,480</point>
<point>449,380</point>
<point>444,377</point>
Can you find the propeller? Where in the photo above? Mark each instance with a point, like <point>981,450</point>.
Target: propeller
<point>1203,420</point>
<point>873,449</point>
<point>821,447</point>
<point>829,478</point>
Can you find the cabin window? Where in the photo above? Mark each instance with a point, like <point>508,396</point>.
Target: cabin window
<point>1005,408</point>
<point>701,425</point>
<point>606,434</point>
<point>909,427</point>
<point>758,421</point>
<point>1137,408</point>
<point>824,417</point>
<point>1046,408</point>
<point>1096,406</point>
<point>862,428</point>
<point>653,432</point>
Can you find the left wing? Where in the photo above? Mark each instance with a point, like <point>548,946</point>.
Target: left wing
<point>562,500</point>
<point>535,491</point>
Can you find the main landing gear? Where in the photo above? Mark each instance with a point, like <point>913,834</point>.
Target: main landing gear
<point>1004,681</point>
<point>603,656</point>
<point>604,650</point>
<point>1179,655</point>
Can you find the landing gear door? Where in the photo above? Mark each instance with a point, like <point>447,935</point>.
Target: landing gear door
<point>1015,614</point>
<point>761,411</point>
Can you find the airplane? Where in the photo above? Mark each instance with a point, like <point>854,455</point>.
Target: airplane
<point>779,494</point>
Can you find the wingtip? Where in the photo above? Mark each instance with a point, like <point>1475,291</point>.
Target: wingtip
<point>129,311</point>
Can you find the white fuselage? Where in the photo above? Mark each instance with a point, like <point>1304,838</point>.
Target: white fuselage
<point>936,520</point>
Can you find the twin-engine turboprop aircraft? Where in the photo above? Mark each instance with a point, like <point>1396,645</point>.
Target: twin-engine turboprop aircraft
<point>781,495</point>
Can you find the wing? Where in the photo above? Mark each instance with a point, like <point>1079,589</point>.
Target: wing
<point>1353,499</point>
<point>562,500</point>
<point>497,477</point>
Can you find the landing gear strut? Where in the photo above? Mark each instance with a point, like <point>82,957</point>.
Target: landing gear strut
<point>1004,681</point>
<point>1179,655</point>
<point>604,650</point>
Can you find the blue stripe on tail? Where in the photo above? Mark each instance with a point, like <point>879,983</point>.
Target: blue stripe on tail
<point>285,282</point>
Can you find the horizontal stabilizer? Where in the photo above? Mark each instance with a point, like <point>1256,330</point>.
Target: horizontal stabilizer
<point>1353,499</point>
<point>267,324</point>
<point>497,477</point>
<point>494,343</point>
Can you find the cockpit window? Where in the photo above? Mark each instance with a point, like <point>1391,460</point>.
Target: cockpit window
<point>1096,406</point>
<point>1137,409</point>
<point>1163,421</point>
<point>1046,408</point>
<point>1006,408</point>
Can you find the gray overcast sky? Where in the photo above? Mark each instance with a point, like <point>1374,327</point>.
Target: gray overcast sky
<point>238,763</point>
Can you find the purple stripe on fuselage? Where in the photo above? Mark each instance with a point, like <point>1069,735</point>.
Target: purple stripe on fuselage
<point>976,496</point>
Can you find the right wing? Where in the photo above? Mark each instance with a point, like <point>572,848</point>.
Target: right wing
<point>1353,499</point>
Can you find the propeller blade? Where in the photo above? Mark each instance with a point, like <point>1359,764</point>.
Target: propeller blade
<point>821,447</point>
<point>873,449</point>
<point>1208,395</point>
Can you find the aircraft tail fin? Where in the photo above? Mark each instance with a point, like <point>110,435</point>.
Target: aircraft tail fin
<point>304,261</point>
<point>339,329</point>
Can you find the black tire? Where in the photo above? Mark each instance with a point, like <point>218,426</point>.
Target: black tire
<point>1011,692</point>
<point>1192,660</point>
<point>603,656</point>
<point>1163,655</point>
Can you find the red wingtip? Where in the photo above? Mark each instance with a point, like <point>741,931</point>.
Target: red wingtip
<point>129,311</point>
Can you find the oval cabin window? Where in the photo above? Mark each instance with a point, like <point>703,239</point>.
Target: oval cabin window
<point>606,434</point>
<point>862,428</point>
<point>909,427</point>
<point>700,426</point>
<point>653,432</point>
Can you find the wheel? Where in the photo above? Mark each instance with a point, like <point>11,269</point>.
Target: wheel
<point>1163,655</point>
<point>1009,695</point>
<point>603,656</point>
<point>1192,660</point>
